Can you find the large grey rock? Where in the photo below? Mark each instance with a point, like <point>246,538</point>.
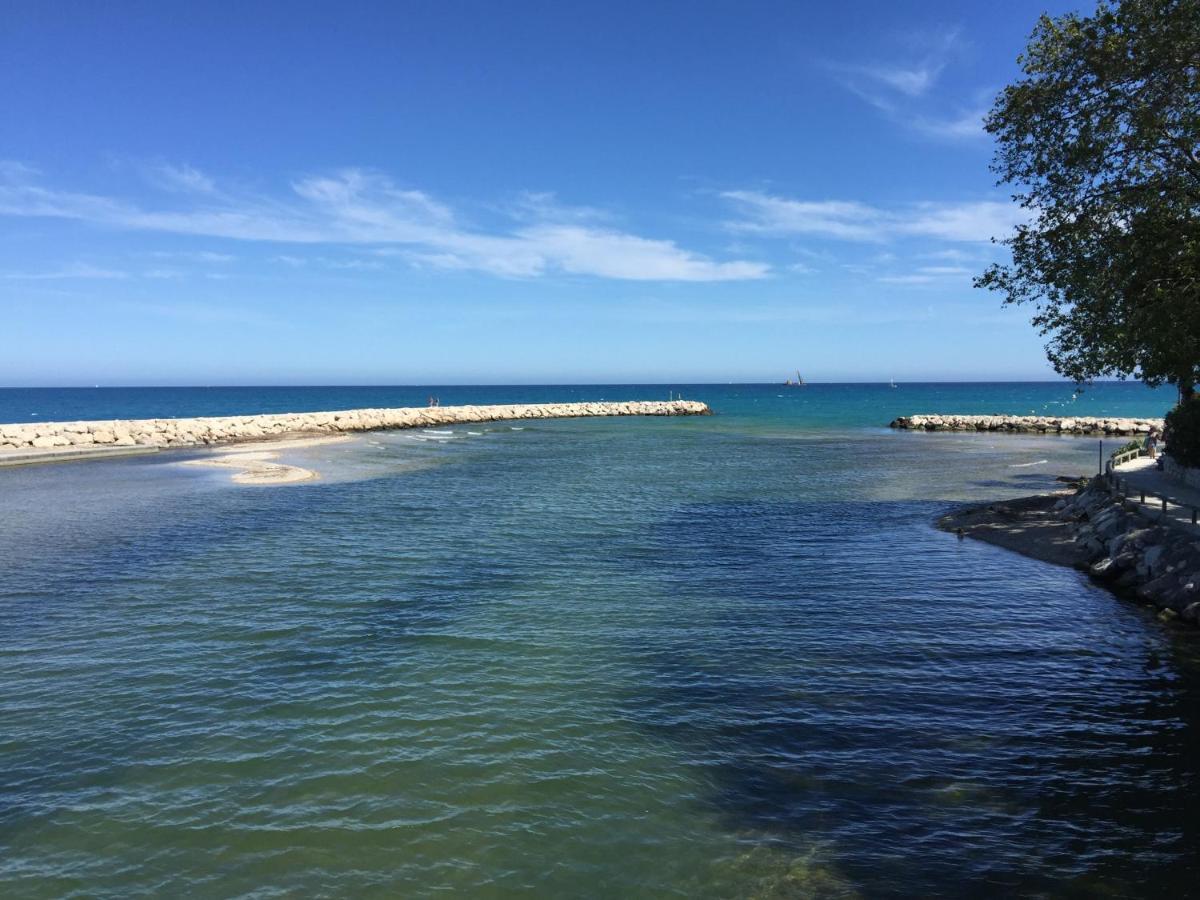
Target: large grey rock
<point>1106,569</point>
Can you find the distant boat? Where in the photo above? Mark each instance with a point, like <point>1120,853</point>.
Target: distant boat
<point>892,383</point>
<point>799,382</point>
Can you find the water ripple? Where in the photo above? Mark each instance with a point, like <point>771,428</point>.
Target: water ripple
<point>639,659</point>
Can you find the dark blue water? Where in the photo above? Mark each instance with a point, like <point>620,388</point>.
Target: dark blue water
<point>700,657</point>
<point>823,405</point>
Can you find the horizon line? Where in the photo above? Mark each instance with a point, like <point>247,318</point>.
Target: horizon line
<point>527,384</point>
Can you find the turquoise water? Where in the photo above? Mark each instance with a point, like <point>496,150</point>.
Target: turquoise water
<point>817,405</point>
<point>705,657</point>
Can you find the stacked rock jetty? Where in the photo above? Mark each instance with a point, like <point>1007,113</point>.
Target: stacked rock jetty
<point>65,437</point>
<point>1027,424</point>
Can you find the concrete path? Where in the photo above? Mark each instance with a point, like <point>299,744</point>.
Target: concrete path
<point>1143,475</point>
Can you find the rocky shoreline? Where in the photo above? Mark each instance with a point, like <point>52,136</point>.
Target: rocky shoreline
<point>38,440</point>
<point>1027,424</point>
<point>1100,532</point>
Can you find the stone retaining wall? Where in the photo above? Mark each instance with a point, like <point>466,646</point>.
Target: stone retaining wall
<point>229,429</point>
<point>1027,424</point>
<point>1157,560</point>
<point>1181,474</point>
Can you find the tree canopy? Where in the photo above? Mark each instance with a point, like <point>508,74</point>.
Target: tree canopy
<point>1101,140</point>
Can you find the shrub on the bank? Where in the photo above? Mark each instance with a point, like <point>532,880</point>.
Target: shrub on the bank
<point>1182,433</point>
<point>1135,444</point>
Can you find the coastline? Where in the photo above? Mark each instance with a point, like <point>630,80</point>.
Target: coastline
<point>28,443</point>
<point>1096,530</point>
<point>1026,525</point>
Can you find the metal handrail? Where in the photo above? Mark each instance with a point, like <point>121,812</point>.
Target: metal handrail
<point>1116,484</point>
<point>1126,456</point>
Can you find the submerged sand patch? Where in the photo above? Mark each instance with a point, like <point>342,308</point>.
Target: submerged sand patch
<point>255,462</point>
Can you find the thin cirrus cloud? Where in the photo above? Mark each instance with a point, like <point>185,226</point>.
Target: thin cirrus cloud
<point>196,256</point>
<point>874,82</point>
<point>354,207</point>
<point>929,275</point>
<point>75,270</point>
<point>182,179</point>
<point>928,54</point>
<point>770,215</point>
<point>903,90</point>
<point>964,126</point>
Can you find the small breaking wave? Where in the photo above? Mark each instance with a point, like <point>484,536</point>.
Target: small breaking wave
<point>1037,462</point>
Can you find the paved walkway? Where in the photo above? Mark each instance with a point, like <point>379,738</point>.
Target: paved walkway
<point>1142,475</point>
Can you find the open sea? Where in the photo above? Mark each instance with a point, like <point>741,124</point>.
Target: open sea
<point>721,656</point>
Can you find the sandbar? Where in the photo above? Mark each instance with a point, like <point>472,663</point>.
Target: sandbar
<point>254,463</point>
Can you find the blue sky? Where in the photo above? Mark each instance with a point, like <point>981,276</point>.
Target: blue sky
<point>449,192</point>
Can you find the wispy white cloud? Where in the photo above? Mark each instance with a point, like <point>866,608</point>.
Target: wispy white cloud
<point>912,279</point>
<point>945,270</point>
<point>767,214</point>
<point>924,57</point>
<point>904,89</point>
<point>75,270</point>
<point>613,254</point>
<point>910,81</point>
<point>362,265</point>
<point>971,221</point>
<point>929,275</point>
<point>544,206</point>
<point>952,254</point>
<point>181,178</point>
<point>353,207</point>
<point>200,256</point>
<point>965,125</point>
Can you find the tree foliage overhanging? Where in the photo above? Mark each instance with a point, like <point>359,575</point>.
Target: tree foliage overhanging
<point>1101,139</point>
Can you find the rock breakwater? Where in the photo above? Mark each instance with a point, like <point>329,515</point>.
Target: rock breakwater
<point>1027,424</point>
<point>72,437</point>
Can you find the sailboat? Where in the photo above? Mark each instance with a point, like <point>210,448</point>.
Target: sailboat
<point>892,383</point>
<point>799,382</point>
